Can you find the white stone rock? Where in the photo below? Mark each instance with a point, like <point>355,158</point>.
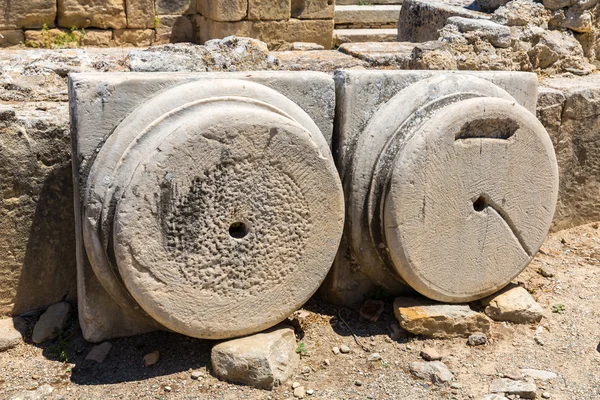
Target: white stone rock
<point>264,360</point>
<point>524,389</point>
<point>513,304</point>
<point>52,320</point>
<point>539,374</point>
<point>10,332</point>
<point>432,371</point>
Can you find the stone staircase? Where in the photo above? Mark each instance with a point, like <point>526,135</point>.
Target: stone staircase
<point>366,21</point>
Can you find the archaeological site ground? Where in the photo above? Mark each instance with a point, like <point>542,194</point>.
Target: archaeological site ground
<point>296,199</point>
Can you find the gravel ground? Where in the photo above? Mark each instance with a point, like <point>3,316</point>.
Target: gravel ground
<point>565,342</point>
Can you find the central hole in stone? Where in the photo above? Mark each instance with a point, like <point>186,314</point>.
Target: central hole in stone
<point>238,230</point>
<point>480,204</point>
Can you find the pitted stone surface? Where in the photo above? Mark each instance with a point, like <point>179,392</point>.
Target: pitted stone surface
<point>226,208</point>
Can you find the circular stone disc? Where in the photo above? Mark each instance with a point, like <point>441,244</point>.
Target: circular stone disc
<point>229,223</point>
<point>471,199</point>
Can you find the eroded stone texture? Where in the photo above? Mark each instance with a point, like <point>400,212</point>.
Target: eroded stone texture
<point>10,332</point>
<point>264,10</point>
<point>249,208</point>
<point>312,9</point>
<point>92,13</point>
<point>513,304</point>
<point>172,7</point>
<point>29,14</point>
<point>415,177</point>
<point>222,10</point>
<point>11,38</point>
<point>140,13</point>
<point>133,37</point>
<point>175,29</point>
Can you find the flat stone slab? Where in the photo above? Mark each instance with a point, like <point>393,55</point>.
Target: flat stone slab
<point>324,60</point>
<point>367,15</point>
<point>264,360</point>
<point>342,36</point>
<point>513,304</point>
<point>423,317</point>
<point>431,371</point>
<point>54,319</point>
<point>539,374</point>
<point>385,53</point>
<point>524,389</point>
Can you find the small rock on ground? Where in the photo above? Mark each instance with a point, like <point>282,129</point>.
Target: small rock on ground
<point>54,319</point>
<point>509,387</point>
<point>432,371</point>
<point>430,354</point>
<point>374,357</point>
<point>10,332</point>
<point>299,392</point>
<point>263,360</point>
<point>99,352</point>
<point>477,339</point>
<point>539,374</point>
<point>513,304</point>
<point>344,349</point>
<point>197,375</point>
<point>425,317</point>
<point>546,271</point>
<point>151,358</point>
<point>371,310</point>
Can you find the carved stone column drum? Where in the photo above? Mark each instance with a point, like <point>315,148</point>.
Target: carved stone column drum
<point>450,181</point>
<point>213,207</point>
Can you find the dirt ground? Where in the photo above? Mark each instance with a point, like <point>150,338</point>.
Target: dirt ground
<point>565,342</point>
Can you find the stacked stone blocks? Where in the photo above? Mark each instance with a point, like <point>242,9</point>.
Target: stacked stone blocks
<point>103,23</point>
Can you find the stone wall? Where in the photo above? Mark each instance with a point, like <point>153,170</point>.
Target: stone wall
<point>104,23</point>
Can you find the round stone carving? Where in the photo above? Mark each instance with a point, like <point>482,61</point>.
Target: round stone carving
<point>221,214</point>
<point>463,189</point>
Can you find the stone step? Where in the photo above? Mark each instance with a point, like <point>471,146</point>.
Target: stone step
<point>377,16</point>
<point>366,2</point>
<point>342,36</point>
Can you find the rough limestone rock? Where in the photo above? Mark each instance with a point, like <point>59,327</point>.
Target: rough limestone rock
<point>92,13</point>
<point>228,54</point>
<point>423,317</point>
<point>431,371</point>
<point>524,389</point>
<point>494,397</point>
<point>539,374</point>
<point>490,5</point>
<point>175,29</point>
<point>264,360</point>
<point>498,35</point>
<point>513,304</point>
<point>133,37</point>
<point>521,13</point>
<point>176,7</point>
<point>223,10</point>
<point>264,10</point>
<point>312,9</point>
<point>53,319</point>
<point>10,332</point>
<point>99,352</point>
<point>31,14</point>
<point>11,38</point>
<point>140,14</point>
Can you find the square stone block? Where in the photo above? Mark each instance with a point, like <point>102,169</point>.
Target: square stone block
<point>312,9</point>
<point>11,38</point>
<point>99,103</point>
<point>133,37</point>
<point>223,10</point>
<point>378,116</point>
<point>266,10</point>
<point>175,29</point>
<point>92,13</point>
<point>27,14</point>
<point>140,14</point>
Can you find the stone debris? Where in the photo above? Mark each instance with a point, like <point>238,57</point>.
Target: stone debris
<point>10,332</point>
<point>374,357</point>
<point>477,339</point>
<point>197,375</point>
<point>99,352</point>
<point>344,349</point>
<point>494,397</point>
<point>539,374</point>
<point>371,310</point>
<point>509,387</point>
<point>53,320</point>
<point>41,393</point>
<point>310,392</point>
<point>430,354</point>
<point>295,385</point>
<point>513,304</point>
<point>303,46</point>
<point>335,350</point>
<point>299,392</point>
<point>151,358</point>
<point>264,360</point>
<point>424,317</point>
<point>546,271</point>
<point>431,371</point>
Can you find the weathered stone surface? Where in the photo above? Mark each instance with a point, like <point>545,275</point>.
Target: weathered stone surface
<point>365,35</point>
<point>387,53</point>
<point>28,14</point>
<point>92,13</point>
<point>133,37</point>
<point>323,60</point>
<point>539,374</point>
<point>490,5</point>
<point>558,4</point>
<point>574,19</point>
<point>175,29</point>
<point>498,35</point>
<point>477,339</point>
<point>420,20</point>
<point>11,38</point>
<point>312,9</point>
<point>223,10</point>
<point>41,39</point>
<point>521,13</point>
<point>264,360</point>
<point>52,320</point>
<point>176,7</point>
<point>513,304</point>
<point>140,14</point>
<point>36,235</point>
<point>366,16</point>
<point>575,116</point>
<point>303,46</point>
<point>524,389</point>
<point>10,332</point>
<point>96,38</point>
<point>423,317</point>
<point>430,354</point>
<point>229,54</point>
<point>265,10</point>
<point>99,352</point>
<point>209,29</point>
<point>431,371</point>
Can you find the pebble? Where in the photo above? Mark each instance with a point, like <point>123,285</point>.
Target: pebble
<point>477,339</point>
<point>358,383</point>
<point>299,392</point>
<point>167,388</point>
<point>456,385</point>
<point>336,350</point>
<point>295,385</point>
<point>326,362</point>
<point>344,349</point>
<point>310,392</point>
<point>430,354</point>
<point>306,370</point>
<point>546,395</point>
<point>539,374</point>
<point>546,271</point>
<point>151,358</point>
<point>431,371</point>
<point>374,357</point>
<point>197,375</point>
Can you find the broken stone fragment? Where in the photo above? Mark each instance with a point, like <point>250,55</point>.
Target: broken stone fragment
<point>425,317</point>
<point>151,358</point>
<point>510,387</point>
<point>498,35</point>
<point>539,374</point>
<point>99,352</point>
<point>53,320</point>
<point>10,332</point>
<point>264,360</point>
<point>513,304</point>
<point>432,371</point>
